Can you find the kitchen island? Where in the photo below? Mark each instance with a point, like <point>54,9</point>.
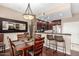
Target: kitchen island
<point>67,38</point>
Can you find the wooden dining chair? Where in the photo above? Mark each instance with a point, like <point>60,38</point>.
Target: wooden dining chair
<point>37,35</point>
<point>2,45</point>
<point>13,49</point>
<point>22,37</point>
<point>37,48</point>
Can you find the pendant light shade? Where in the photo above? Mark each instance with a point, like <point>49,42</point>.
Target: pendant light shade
<point>28,13</point>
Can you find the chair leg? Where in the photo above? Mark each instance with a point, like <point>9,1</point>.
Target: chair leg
<point>64,48</point>
<point>42,52</point>
<point>56,49</point>
<point>55,46</point>
<point>4,48</point>
<point>46,47</point>
<point>49,44</point>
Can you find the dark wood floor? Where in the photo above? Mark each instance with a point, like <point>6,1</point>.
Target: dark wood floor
<point>74,53</point>
<point>49,52</point>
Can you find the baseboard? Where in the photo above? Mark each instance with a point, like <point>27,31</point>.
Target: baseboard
<point>59,49</point>
<point>75,47</point>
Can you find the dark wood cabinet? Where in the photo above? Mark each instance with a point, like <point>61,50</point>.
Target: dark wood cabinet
<point>43,25</point>
<point>56,22</point>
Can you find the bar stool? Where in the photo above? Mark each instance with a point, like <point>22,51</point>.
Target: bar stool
<point>60,39</point>
<point>50,38</point>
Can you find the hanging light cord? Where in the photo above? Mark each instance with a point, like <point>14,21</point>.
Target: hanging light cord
<point>28,10</point>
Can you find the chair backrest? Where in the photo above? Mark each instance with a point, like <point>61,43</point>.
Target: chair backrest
<point>50,37</point>
<point>20,36</point>
<point>26,33</point>
<point>23,36</point>
<point>59,38</point>
<point>37,35</point>
<point>38,46</point>
<point>12,47</point>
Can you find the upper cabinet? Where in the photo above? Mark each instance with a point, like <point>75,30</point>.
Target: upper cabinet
<point>54,25</point>
<point>41,26</point>
<point>11,25</point>
<point>56,22</point>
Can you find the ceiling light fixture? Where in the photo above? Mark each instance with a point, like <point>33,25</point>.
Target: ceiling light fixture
<point>28,13</point>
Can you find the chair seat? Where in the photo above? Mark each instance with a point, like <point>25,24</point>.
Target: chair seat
<point>50,37</point>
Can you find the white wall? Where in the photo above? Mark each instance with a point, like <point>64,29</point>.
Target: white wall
<point>73,28</point>
<point>12,14</point>
<point>71,25</point>
<point>9,13</point>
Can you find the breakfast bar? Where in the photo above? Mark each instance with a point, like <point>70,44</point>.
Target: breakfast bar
<point>67,38</point>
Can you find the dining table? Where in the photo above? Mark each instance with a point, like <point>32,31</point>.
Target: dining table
<point>24,46</point>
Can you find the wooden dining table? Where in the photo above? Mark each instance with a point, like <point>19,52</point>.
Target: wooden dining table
<point>24,46</point>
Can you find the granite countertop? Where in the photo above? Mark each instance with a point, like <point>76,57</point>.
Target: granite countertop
<point>53,33</point>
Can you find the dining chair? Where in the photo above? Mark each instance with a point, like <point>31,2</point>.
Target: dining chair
<point>20,37</point>
<point>23,37</point>
<point>60,39</point>
<point>2,45</point>
<point>37,48</point>
<point>50,42</point>
<point>37,35</point>
<point>13,50</point>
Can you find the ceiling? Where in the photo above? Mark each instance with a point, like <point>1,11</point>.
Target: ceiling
<point>53,11</point>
